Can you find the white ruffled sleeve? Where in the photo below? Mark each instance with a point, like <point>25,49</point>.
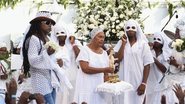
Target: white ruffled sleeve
<point>36,60</point>
<point>83,55</point>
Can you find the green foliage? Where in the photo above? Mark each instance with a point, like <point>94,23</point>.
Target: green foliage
<point>8,3</point>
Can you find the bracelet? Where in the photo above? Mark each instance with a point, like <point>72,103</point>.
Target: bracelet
<point>74,45</point>
<point>13,96</point>
<point>182,67</point>
<point>179,66</point>
<point>143,83</point>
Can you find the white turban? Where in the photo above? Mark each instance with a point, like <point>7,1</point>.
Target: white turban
<point>166,41</point>
<point>95,31</point>
<point>139,33</point>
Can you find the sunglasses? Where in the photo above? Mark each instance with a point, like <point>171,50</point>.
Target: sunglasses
<point>157,39</point>
<point>47,22</point>
<point>133,27</point>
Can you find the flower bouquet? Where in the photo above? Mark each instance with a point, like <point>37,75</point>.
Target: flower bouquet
<point>52,44</point>
<point>107,14</point>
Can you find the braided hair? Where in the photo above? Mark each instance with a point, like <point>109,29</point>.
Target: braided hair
<point>35,29</point>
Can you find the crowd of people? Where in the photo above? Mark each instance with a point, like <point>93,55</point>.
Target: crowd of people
<point>60,70</point>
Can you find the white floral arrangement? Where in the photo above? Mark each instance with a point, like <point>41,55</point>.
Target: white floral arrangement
<point>108,15</point>
<point>178,45</point>
<point>52,44</point>
<point>114,88</point>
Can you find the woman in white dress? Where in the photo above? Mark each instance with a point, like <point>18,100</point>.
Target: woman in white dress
<point>94,62</point>
<point>176,73</point>
<point>161,53</point>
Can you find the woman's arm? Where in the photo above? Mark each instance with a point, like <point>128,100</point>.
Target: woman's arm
<point>160,66</point>
<point>91,70</point>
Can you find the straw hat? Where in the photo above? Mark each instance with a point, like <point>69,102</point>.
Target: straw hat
<point>42,15</point>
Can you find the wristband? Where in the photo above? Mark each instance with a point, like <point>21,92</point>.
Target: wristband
<point>143,83</point>
<point>13,96</point>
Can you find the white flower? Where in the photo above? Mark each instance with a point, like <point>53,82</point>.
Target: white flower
<point>113,18</point>
<point>91,16</point>
<point>120,6</point>
<point>109,6</point>
<point>97,16</point>
<point>51,44</point>
<point>113,31</point>
<point>121,24</point>
<point>91,26</point>
<point>177,43</point>
<point>117,21</point>
<point>129,13</point>
<point>121,16</point>
<point>102,26</point>
<point>117,27</point>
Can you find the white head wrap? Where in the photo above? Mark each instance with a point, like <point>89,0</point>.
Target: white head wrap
<point>95,31</point>
<point>166,41</point>
<point>180,24</point>
<point>139,33</point>
<point>59,31</point>
<point>157,36</point>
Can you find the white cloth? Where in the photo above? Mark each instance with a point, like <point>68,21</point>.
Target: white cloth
<point>174,77</point>
<point>58,73</point>
<point>71,72</point>
<point>132,65</point>
<point>154,88</point>
<point>86,83</point>
<point>166,41</point>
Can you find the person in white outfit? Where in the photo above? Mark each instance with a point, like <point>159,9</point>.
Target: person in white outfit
<point>135,58</point>
<point>94,62</point>
<point>161,53</point>
<point>35,55</point>
<point>176,70</point>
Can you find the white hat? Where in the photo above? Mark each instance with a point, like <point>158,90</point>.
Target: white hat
<point>42,15</point>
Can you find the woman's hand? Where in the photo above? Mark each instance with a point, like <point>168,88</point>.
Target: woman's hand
<point>108,70</point>
<point>141,89</point>
<point>50,50</point>
<point>39,98</point>
<point>179,92</point>
<point>124,40</point>
<point>60,62</point>
<point>72,40</point>
<point>24,98</point>
<point>173,62</point>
